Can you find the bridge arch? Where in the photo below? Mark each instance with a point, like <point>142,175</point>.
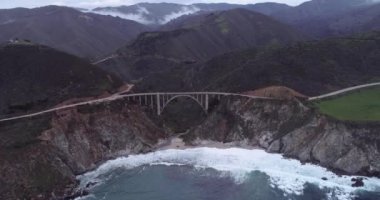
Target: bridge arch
<point>166,103</point>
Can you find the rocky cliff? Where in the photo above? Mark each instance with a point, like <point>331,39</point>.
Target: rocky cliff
<point>297,131</point>
<point>40,157</point>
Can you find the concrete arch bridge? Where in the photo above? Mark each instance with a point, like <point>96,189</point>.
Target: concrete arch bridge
<point>159,101</point>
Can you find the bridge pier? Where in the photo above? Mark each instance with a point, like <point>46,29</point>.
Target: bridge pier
<point>159,101</point>
<point>206,103</point>
<point>158,104</point>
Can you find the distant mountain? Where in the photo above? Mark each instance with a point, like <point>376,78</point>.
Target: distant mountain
<point>362,19</point>
<point>197,41</point>
<point>212,34</point>
<point>34,77</point>
<point>190,20</point>
<point>162,13</point>
<point>268,8</point>
<point>321,18</point>
<point>83,34</point>
<point>318,9</point>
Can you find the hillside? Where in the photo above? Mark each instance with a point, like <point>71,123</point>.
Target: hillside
<point>34,77</point>
<point>149,13</point>
<point>308,67</point>
<point>214,34</point>
<point>156,14</point>
<point>82,34</point>
<point>320,18</point>
<point>268,8</point>
<point>318,9</point>
<point>311,68</point>
<point>359,20</point>
<point>197,41</point>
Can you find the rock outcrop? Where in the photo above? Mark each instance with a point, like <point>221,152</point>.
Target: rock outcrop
<point>40,157</point>
<point>297,131</point>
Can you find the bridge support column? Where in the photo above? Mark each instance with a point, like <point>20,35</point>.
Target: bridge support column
<point>206,103</point>
<point>140,101</point>
<point>203,98</point>
<point>158,104</point>
<point>151,101</point>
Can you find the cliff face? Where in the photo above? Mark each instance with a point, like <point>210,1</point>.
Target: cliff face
<point>297,131</point>
<point>43,161</point>
<point>40,157</point>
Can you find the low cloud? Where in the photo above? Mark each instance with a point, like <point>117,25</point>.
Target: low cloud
<point>186,10</point>
<point>142,14</point>
<point>138,17</point>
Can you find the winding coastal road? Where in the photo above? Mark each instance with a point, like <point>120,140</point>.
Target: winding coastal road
<point>110,98</point>
<point>104,59</point>
<point>125,94</point>
<point>344,91</point>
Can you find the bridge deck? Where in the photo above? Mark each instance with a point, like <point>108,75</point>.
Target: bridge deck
<point>126,95</point>
<point>343,91</point>
<point>121,96</point>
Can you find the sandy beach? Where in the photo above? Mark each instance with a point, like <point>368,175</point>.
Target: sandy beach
<point>178,143</point>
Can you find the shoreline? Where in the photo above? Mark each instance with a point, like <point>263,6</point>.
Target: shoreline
<point>176,143</point>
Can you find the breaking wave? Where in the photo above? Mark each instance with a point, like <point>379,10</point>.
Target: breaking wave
<point>286,174</point>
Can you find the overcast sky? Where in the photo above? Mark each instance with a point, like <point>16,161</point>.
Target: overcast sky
<point>98,3</point>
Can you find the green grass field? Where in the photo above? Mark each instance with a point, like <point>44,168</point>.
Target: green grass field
<point>363,105</point>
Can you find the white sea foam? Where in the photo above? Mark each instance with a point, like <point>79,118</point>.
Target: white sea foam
<point>286,174</point>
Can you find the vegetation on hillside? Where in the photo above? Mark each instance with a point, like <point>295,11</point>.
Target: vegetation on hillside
<point>362,105</point>
<point>312,67</point>
<point>34,77</point>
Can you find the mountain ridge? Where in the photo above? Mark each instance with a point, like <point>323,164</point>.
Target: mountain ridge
<point>83,34</point>
<point>216,34</point>
<point>161,13</point>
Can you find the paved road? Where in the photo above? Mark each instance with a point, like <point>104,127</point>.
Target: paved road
<point>110,98</point>
<point>343,91</point>
<point>121,95</point>
<point>104,59</point>
<point>124,94</point>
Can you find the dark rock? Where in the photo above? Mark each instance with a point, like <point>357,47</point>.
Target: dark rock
<point>60,155</point>
<point>324,178</point>
<point>358,182</point>
<point>296,131</point>
<point>79,193</point>
<point>90,184</point>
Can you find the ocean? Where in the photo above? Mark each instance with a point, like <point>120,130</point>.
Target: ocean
<point>220,174</point>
